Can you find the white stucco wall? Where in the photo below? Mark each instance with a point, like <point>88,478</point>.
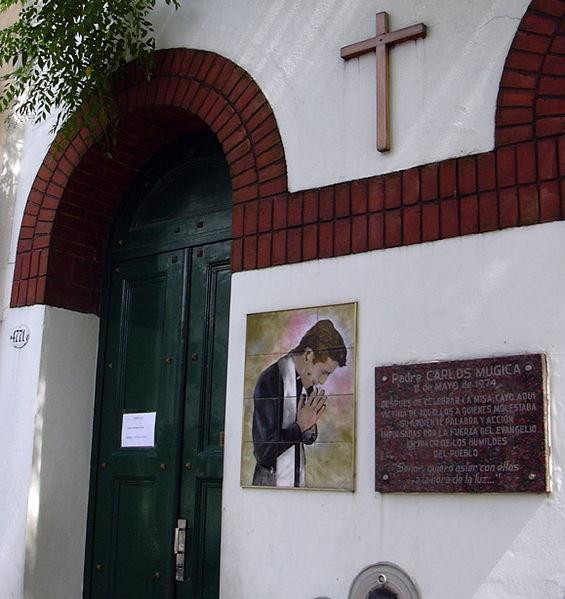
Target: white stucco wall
<point>443,88</point>
<point>476,296</point>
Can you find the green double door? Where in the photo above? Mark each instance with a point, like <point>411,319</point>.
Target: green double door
<point>164,362</point>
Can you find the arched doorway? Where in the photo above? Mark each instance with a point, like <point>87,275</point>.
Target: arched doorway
<point>158,442</point>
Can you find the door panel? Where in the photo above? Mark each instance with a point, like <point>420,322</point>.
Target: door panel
<point>142,346</point>
<point>133,526</point>
<point>137,488</point>
<point>207,537</point>
<point>204,417</point>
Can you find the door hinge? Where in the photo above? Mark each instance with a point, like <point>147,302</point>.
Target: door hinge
<point>180,548</point>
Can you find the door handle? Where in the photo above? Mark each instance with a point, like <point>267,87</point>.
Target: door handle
<point>180,549</point>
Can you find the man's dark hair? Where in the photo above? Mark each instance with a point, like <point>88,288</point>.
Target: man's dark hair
<point>325,341</point>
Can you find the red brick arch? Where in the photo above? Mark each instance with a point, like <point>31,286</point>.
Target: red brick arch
<point>77,190</point>
<point>531,98</point>
<point>521,182</point>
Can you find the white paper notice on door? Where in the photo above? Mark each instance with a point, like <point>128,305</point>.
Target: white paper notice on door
<point>138,430</point>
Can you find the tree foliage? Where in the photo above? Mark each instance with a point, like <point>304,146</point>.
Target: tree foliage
<point>62,55</point>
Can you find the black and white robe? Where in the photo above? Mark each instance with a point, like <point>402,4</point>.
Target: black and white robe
<point>277,438</point>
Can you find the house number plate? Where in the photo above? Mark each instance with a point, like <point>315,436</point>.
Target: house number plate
<point>20,336</point>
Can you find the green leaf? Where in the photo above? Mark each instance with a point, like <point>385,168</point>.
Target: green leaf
<point>64,54</point>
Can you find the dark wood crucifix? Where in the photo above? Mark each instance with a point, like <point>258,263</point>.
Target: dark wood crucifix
<point>381,44</point>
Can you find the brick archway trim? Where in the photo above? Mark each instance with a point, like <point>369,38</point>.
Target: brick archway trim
<point>531,101</point>
<point>521,182</point>
<point>77,189</point>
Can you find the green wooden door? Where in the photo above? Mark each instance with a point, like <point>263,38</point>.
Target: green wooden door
<point>165,353</point>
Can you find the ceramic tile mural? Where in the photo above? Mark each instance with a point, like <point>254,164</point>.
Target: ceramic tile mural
<point>299,399</point>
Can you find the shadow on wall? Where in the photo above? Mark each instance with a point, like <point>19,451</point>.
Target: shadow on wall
<point>58,492</point>
<point>466,546</point>
<point>315,51</point>
<point>11,136</point>
<point>492,546</point>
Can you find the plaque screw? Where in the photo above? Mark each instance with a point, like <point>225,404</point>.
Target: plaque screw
<point>385,476</point>
<point>157,575</point>
<point>117,269</point>
<point>188,465</point>
<point>110,365</point>
<point>381,578</point>
<point>531,476</point>
<point>163,466</point>
<point>98,567</point>
<point>103,465</point>
<point>385,378</point>
<point>528,367</point>
<point>120,241</point>
<point>169,360</point>
<point>194,357</point>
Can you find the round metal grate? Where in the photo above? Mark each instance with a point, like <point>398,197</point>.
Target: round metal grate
<point>383,581</point>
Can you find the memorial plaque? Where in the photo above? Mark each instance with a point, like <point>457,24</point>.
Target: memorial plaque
<point>462,426</point>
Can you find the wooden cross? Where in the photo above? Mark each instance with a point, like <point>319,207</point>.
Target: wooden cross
<point>380,44</point>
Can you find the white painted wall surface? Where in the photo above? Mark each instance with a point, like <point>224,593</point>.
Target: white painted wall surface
<point>481,295</point>
<point>46,409</point>
<point>443,88</point>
